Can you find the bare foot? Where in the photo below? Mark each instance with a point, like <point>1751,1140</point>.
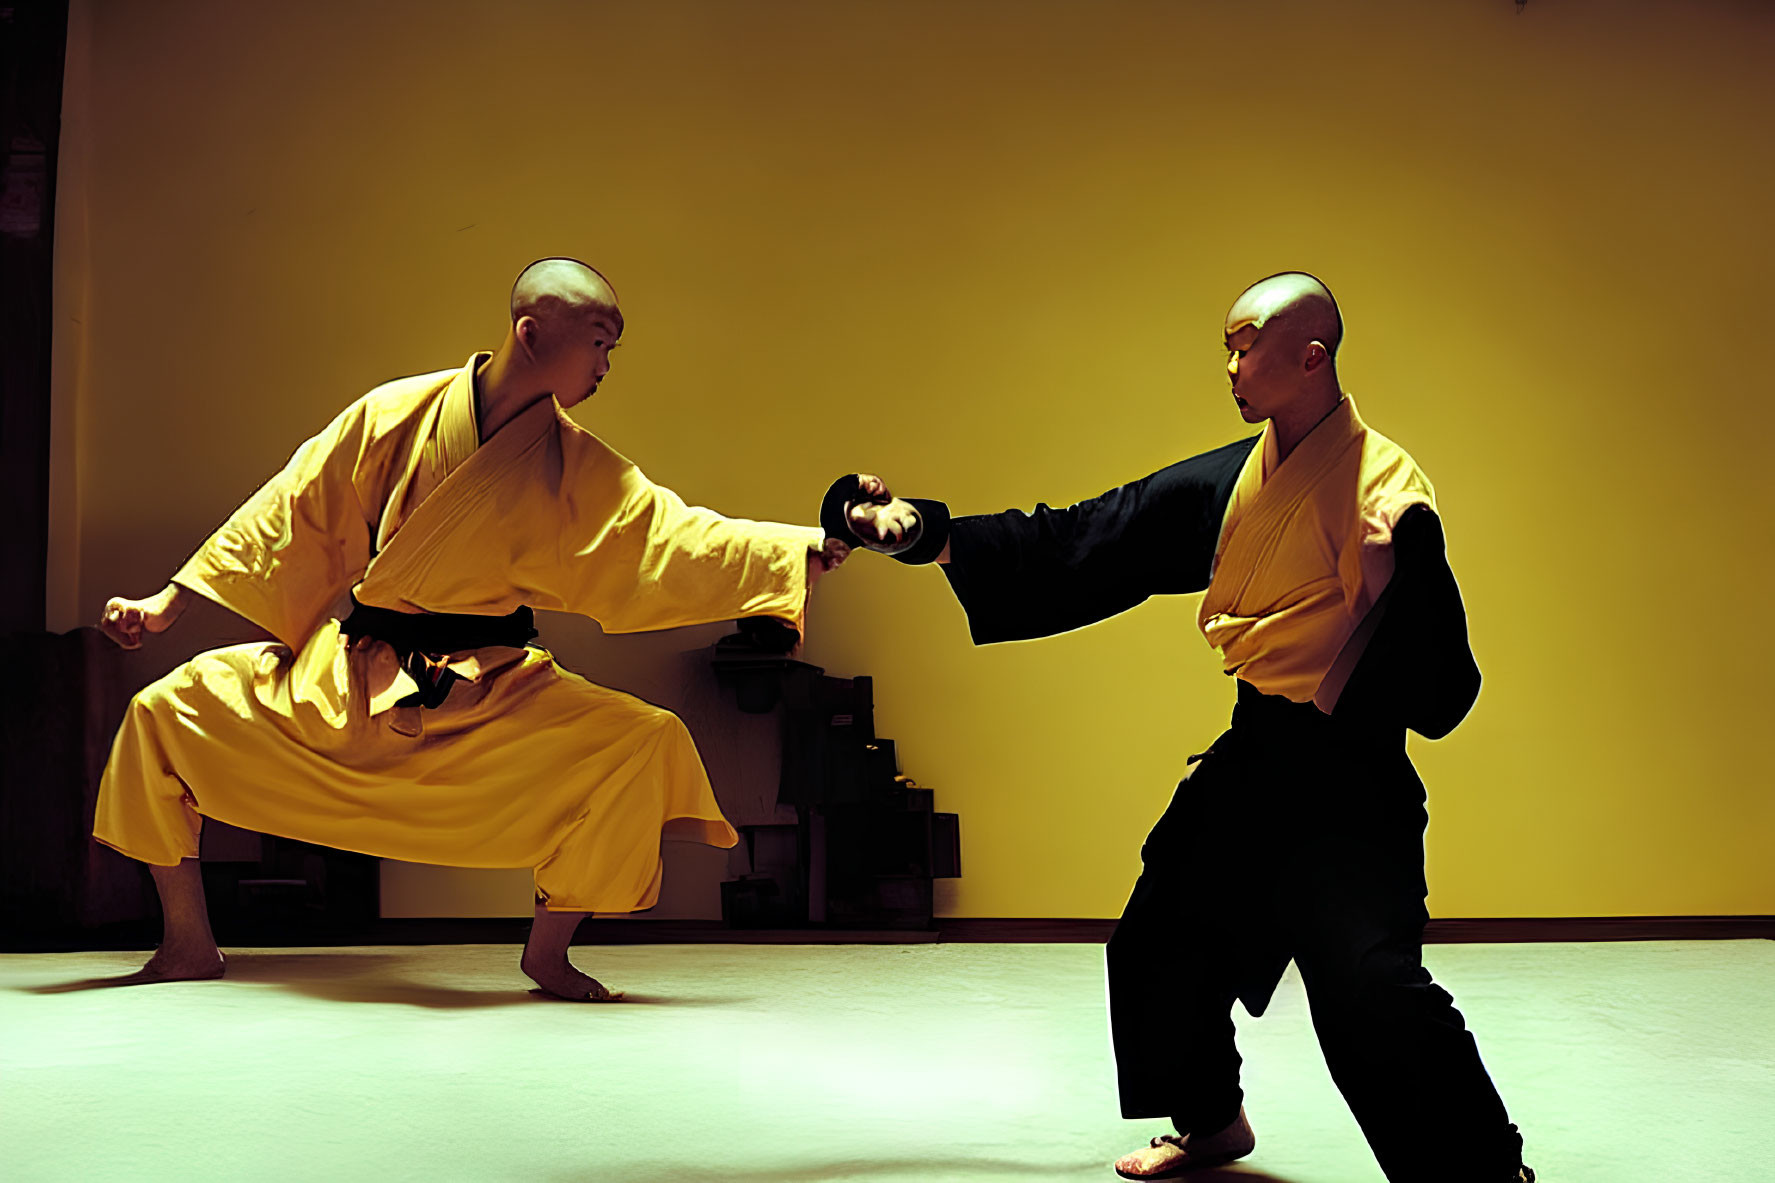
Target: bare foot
<point>179,964</point>
<point>1172,1154</point>
<point>560,979</point>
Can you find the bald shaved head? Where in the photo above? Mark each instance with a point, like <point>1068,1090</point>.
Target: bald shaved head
<point>564,324</point>
<point>550,289</point>
<point>1293,305</point>
<point>1282,335</point>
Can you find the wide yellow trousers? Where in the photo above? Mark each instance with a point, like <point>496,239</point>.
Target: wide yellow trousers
<point>532,766</point>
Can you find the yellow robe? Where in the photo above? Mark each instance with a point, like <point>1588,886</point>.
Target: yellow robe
<point>1304,552</point>
<point>524,764</point>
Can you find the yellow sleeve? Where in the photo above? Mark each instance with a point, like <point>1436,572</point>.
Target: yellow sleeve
<point>635,557</point>
<point>286,556</point>
<point>1366,565</point>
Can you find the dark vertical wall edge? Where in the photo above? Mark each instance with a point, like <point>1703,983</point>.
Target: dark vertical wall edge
<point>33,46</point>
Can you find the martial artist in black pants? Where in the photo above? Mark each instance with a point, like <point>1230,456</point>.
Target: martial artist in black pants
<point>1299,833</point>
<point>1298,836</point>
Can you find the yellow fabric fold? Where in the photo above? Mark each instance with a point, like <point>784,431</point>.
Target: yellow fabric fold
<point>1305,549</point>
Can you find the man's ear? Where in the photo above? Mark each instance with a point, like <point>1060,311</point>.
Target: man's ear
<point>527,330</point>
<point>1317,355</point>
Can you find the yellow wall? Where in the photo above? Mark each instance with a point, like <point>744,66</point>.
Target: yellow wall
<point>984,249</point>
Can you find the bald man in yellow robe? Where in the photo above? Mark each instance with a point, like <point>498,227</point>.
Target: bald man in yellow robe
<point>401,711</point>
<point>1299,833</point>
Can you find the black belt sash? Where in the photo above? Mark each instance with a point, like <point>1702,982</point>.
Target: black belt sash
<point>423,638</point>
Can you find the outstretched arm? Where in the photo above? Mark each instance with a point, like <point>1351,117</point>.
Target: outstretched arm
<point>633,556</point>
<point>1024,575</point>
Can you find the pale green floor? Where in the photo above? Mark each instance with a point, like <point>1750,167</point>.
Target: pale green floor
<point>1622,1062</point>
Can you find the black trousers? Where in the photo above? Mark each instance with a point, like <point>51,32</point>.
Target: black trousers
<point>1297,837</point>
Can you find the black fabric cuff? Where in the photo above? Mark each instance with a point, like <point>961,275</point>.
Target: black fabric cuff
<point>933,533</point>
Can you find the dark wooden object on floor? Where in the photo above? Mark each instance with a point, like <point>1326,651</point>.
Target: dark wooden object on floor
<point>866,843</point>
<point>63,699</point>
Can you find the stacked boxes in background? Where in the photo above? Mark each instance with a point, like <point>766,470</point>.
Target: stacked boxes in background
<point>867,841</point>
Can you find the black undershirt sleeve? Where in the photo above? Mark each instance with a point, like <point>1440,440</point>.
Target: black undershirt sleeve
<point>1024,575</point>
<point>1419,668</point>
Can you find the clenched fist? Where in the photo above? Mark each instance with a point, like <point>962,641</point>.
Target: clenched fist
<point>877,516</point>
<point>831,553</point>
<point>125,621</point>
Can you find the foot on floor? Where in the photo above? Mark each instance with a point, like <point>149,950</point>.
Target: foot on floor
<point>561,980</point>
<point>1174,1154</point>
<point>179,964</point>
